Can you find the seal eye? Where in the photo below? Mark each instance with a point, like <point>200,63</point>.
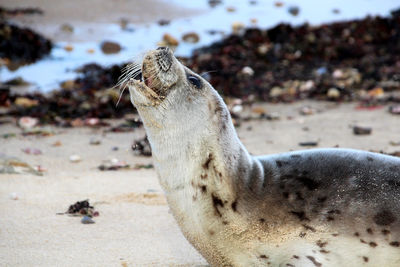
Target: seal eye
<point>194,80</point>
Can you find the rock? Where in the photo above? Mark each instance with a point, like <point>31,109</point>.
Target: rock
<point>94,141</point>
<point>376,93</point>
<point>142,147</point>
<point>19,81</point>
<point>248,71</point>
<point>308,143</point>
<point>68,48</point>
<point>336,11</point>
<point>231,9</point>
<point>57,143</point>
<point>191,37</point>
<point>214,3</point>
<point>275,92</point>
<point>32,151</point>
<point>109,47</point>
<point>68,28</point>
<point>163,22</point>
<point>237,27</point>
<point>123,23</point>
<point>68,85</point>
<point>358,130</point>
<point>333,93</point>
<point>279,4</point>
<point>26,102</point>
<point>27,122</point>
<point>169,40</point>
<point>294,10</point>
<point>394,109</point>
<point>14,196</point>
<point>75,158</point>
<point>307,110</point>
<point>87,220</point>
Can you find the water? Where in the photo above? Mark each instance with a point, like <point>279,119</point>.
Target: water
<point>46,74</point>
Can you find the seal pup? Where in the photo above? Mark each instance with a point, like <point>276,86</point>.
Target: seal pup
<point>320,207</point>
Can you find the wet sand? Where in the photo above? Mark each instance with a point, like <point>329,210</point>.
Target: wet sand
<point>135,227</point>
<point>90,19</point>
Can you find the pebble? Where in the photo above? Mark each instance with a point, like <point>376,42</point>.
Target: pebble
<point>333,93</point>
<point>307,111</point>
<point>395,109</point>
<point>25,102</point>
<point>358,130</point>
<point>248,71</point>
<point>191,37</point>
<point>75,158</point>
<point>169,40</point>
<point>27,122</point>
<point>68,48</point>
<point>95,142</point>
<point>237,27</point>
<point>87,220</point>
<point>67,28</point>
<point>308,143</point>
<point>109,47</point>
<point>14,196</point>
<point>294,10</point>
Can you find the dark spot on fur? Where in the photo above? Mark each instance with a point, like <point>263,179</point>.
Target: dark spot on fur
<point>321,244</point>
<point>307,227</point>
<point>384,217</point>
<point>322,199</point>
<point>369,231</point>
<point>279,163</point>
<point>285,195</point>
<point>363,241</point>
<point>262,220</point>
<point>395,244</point>
<point>289,265</point>
<point>324,251</point>
<point>302,234</point>
<point>335,235</point>
<point>357,234</point>
<point>204,176</point>
<point>206,164</point>
<point>334,212</point>
<point>394,183</point>
<point>203,189</point>
<point>385,232</point>
<point>296,257</point>
<point>295,156</point>
<point>309,183</point>
<point>330,218</point>
<point>301,215</point>
<point>217,202</point>
<point>194,198</point>
<point>373,244</point>
<point>365,259</point>
<point>224,222</point>
<point>211,232</point>
<point>264,257</point>
<point>234,206</point>
<point>313,260</point>
<point>299,196</point>
<point>370,159</point>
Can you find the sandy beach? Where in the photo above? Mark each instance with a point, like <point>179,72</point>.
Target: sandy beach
<point>135,227</point>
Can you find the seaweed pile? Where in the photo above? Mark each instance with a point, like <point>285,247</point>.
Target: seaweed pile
<point>345,61</point>
<point>285,63</point>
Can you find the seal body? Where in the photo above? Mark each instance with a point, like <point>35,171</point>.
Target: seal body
<point>321,207</point>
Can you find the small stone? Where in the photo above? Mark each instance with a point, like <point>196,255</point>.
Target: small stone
<point>115,148</point>
<point>14,196</point>
<point>68,48</point>
<point>169,40</point>
<point>163,22</point>
<point>258,110</point>
<point>27,122</point>
<point>308,143</point>
<point>87,220</point>
<point>90,51</point>
<point>376,93</point>
<point>248,71</point>
<point>230,9</point>
<point>395,109</point>
<point>191,37</point>
<point>358,130</point>
<point>57,143</point>
<point>236,109</point>
<point>276,91</point>
<point>26,102</point>
<point>75,158</point>
<point>123,23</point>
<point>307,110</point>
<point>335,11</point>
<point>237,27</point>
<point>278,4</point>
<point>109,47</point>
<point>333,93</point>
<point>68,85</point>
<point>337,74</point>
<point>95,142</point>
<point>67,28</point>
<point>294,10</point>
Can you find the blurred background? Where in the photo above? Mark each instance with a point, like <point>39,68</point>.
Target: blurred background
<point>55,54</point>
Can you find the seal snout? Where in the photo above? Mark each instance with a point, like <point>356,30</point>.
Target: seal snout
<point>164,58</point>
